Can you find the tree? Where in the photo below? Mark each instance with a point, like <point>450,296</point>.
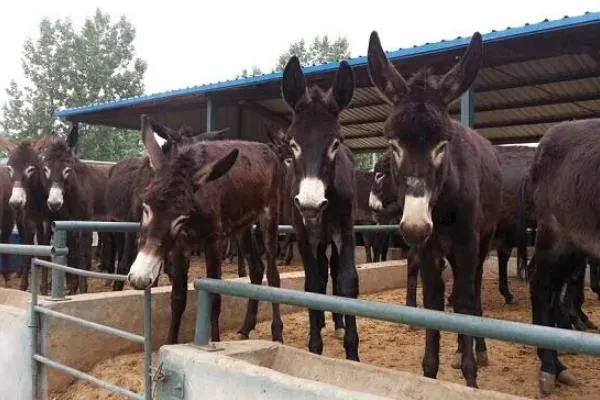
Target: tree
<point>321,50</point>
<point>65,67</point>
<point>255,71</point>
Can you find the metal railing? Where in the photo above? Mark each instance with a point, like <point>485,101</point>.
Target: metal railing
<point>516,332</point>
<point>58,252</point>
<point>36,309</point>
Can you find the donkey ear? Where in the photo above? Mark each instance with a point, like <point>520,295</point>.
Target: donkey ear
<point>463,74</point>
<point>164,131</point>
<point>382,72</point>
<point>215,169</point>
<point>156,156</point>
<point>7,144</point>
<point>343,85</point>
<point>73,136</point>
<point>293,85</point>
<point>210,135</point>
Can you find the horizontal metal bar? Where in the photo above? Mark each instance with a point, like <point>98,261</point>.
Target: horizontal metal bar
<point>96,226</point>
<point>79,272</point>
<point>82,375</point>
<point>104,226</point>
<point>92,325</point>
<point>32,250</point>
<point>516,332</point>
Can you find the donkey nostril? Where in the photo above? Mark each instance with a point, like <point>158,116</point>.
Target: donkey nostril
<point>323,204</point>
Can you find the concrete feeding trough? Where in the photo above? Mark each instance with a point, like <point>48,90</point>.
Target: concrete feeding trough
<point>266,370</point>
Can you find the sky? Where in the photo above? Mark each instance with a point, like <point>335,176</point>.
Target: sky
<point>187,43</point>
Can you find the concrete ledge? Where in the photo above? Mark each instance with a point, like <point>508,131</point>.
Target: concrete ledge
<point>82,348</point>
<point>267,370</point>
<point>15,354</point>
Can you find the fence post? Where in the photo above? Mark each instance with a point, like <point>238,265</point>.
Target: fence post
<point>59,240</point>
<point>33,325</point>
<point>147,344</point>
<point>203,309</point>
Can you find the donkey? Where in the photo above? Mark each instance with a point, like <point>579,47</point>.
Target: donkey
<point>567,221</point>
<point>129,206</point>
<point>451,184</point>
<point>7,219</point>
<point>194,198</point>
<point>323,190</point>
<point>76,190</point>
<point>28,198</point>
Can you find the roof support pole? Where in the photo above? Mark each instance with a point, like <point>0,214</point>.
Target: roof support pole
<point>467,108</point>
<point>211,115</point>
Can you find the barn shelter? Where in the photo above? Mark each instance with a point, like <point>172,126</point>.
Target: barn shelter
<point>532,77</point>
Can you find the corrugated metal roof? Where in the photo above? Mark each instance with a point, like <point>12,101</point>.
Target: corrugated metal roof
<point>428,48</point>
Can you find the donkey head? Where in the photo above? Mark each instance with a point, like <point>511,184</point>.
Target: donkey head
<point>24,168</point>
<point>59,168</point>
<point>168,200</point>
<point>419,129</point>
<point>314,135</point>
<point>382,190</point>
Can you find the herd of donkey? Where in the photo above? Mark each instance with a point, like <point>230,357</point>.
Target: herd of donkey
<point>454,196</point>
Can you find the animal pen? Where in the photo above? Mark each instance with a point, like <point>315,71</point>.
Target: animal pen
<point>533,76</point>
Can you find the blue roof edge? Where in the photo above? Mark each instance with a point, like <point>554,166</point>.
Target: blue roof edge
<point>428,48</point>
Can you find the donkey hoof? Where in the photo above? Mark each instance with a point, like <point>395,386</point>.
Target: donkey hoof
<point>591,325</point>
<point>482,358</point>
<point>240,336</point>
<point>547,382</point>
<point>457,361</point>
<point>567,378</point>
<point>340,333</point>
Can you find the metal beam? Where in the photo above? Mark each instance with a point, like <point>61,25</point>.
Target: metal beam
<point>210,115</point>
<point>492,328</point>
<point>534,121</point>
<point>467,108</point>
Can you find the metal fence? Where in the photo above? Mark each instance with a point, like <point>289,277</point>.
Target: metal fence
<point>36,309</point>
<point>516,332</point>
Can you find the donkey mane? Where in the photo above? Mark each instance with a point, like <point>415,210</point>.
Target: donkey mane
<point>177,188</point>
<point>58,150</point>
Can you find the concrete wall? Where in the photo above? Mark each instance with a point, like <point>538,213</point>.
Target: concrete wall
<point>267,370</point>
<point>82,348</point>
<point>15,350</point>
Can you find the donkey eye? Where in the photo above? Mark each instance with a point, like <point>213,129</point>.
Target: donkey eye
<point>47,172</point>
<point>29,171</point>
<point>67,172</point>
<point>295,148</point>
<point>379,176</point>
<point>287,162</point>
<point>10,171</point>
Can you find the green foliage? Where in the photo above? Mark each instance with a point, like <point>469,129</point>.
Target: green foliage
<point>68,67</point>
<point>321,50</point>
<point>366,161</point>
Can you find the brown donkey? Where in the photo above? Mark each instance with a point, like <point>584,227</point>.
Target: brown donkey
<point>196,197</point>
<point>451,187</point>
<point>76,191</point>
<point>323,190</point>
<point>28,198</point>
<point>565,198</point>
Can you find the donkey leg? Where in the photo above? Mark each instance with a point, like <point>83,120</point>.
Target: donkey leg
<point>347,284</point>
<point>338,319</point>
<point>270,235</point>
<point>503,257</point>
<point>181,263</point>
<point>213,270</point>
<point>466,262</point>
<point>412,276</point>
<point>256,268</point>
<point>433,299</point>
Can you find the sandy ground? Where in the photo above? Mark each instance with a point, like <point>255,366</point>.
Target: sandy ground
<point>513,368</point>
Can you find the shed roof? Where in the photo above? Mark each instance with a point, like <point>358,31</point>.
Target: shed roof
<point>532,76</point>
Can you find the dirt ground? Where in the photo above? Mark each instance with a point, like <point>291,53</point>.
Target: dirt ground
<point>197,270</point>
<point>513,368</point>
